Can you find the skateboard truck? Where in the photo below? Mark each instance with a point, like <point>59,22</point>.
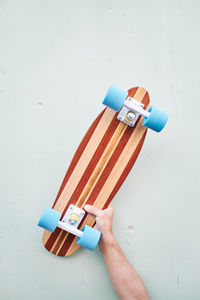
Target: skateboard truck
<point>88,237</point>
<point>130,111</point>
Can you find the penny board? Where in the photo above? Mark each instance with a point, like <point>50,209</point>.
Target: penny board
<point>100,165</point>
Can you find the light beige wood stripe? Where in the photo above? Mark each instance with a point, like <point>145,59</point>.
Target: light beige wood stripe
<point>140,93</point>
<point>102,163</point>
<point>85,159</point>
<point>46,235</point>
<point>117,170</point>
<point>97,173</point>
<point>82,164</point>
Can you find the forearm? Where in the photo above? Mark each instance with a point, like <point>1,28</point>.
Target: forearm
<point>125,280</point>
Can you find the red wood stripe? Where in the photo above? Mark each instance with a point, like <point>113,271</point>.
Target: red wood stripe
<point>126,171</point>
<point>78,154</point>
<point>110,165</point>
<point>83,181</point>
<point>100,183</point>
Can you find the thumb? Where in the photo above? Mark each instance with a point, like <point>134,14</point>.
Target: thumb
<point>92,210</point>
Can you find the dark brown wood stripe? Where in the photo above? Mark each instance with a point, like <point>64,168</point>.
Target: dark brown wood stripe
<point>78,154</point>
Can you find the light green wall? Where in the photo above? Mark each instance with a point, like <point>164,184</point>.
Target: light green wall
<point>57,59</point>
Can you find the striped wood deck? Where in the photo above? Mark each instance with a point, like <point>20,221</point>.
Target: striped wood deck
<point>100,165</point>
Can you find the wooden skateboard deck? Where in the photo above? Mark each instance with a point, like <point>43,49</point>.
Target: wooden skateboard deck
<point>100,165</point>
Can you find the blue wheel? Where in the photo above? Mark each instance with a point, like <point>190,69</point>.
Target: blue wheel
<point>156,120</point>
<point>49,219</point>
<point>90,238</point>
<point>115,98</point>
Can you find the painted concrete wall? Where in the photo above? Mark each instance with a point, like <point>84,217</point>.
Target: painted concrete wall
<point>57,59</point>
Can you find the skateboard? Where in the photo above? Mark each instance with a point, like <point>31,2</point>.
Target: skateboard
<point>100,165</point>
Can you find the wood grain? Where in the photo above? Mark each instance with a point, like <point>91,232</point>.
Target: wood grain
<point>100,165</point>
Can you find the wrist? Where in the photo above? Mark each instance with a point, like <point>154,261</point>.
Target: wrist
<point>107,239</point>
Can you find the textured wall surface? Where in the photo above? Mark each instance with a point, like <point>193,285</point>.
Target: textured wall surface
<point>57,59</point>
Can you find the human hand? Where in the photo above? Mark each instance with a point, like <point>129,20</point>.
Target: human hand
<point>103,219</point>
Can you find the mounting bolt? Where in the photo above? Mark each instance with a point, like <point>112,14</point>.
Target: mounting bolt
<point>72,222</point>
<point>130,116</point>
